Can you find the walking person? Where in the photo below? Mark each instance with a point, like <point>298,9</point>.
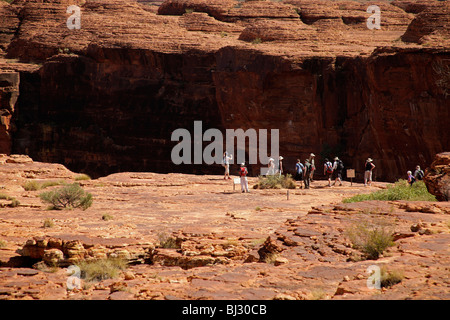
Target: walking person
<point>338,167</point>
<point>307,174</point>
<point>280,165</point>
<point>328,170</point>
<point>243,174</point>
<point>418,174</point>
<point>226,163</point>
<point>313,166</point>
<point>411,178</point>
<point>299,167</point>
<point>368,168</point>
<point>271,167</point>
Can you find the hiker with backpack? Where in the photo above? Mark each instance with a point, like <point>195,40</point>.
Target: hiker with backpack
<point>307,173</point>
<point>328,170</point>
<point>243,174</point>
<point>226,164</point>
<point>338,167</point>
<point>368,167</point>
<point>299,167</point>
<point>411,178</point>
<point>418,174</point>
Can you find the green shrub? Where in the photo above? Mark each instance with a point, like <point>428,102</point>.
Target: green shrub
<point>33,185</point>
<point>400,190</point>
<point>257,41</point>
<point>14,202</point>
<point>275,182</point>
<point>69,196</point>
<point>371,240</point>
<point>390,278</point>
<point>82,177</point>
<point>107,217</point>
<point>101,269</point>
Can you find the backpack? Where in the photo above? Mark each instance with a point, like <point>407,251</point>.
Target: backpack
<point>307,168</point>
<point>420,174</point>
<point>329,167</point>
<point>340,165</point>
<point>299,167</point>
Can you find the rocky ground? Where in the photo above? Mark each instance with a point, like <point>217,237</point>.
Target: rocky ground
<point>231,245</point>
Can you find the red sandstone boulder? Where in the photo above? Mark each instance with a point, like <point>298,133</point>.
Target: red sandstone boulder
<point>437,177</point>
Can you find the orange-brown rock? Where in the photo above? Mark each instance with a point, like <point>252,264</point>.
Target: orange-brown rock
<point>8,25</point>
<point>433,22</point>
<point>309,253</point>
<point>437,177</point>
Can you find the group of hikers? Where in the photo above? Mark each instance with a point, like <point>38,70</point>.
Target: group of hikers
<point>418,175</point>
<point>304,172</point>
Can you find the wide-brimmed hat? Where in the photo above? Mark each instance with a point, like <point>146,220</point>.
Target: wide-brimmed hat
<point>369,160</point>
<point>243,164</point>
<point>312,155</point>
<point>336,158</point>
<point>281,158</point>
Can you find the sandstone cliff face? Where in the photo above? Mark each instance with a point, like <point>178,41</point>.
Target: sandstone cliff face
<point>9,91</point>
<point>108,96</point>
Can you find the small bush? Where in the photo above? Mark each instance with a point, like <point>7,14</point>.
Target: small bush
<point>167,242</point>
<point>371,240</point>
<point>14,202</point>
<point>101,269</point>
<point>390,278</point>
<point>107,217</point>
<point>33,185</point>
<point>400,190</point>
<point>275,182</point>
<point>69,196</point>
<point>48,223</point>
<point>2,244</point>
<point>257,41</point>
<point>82,177</point>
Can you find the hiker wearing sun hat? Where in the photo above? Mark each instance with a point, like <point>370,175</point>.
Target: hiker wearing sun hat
<point>368,168</point>
<point>243,174</point>
<point>338,167</point>
<point>280,165</point>
<point>313,166</point>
